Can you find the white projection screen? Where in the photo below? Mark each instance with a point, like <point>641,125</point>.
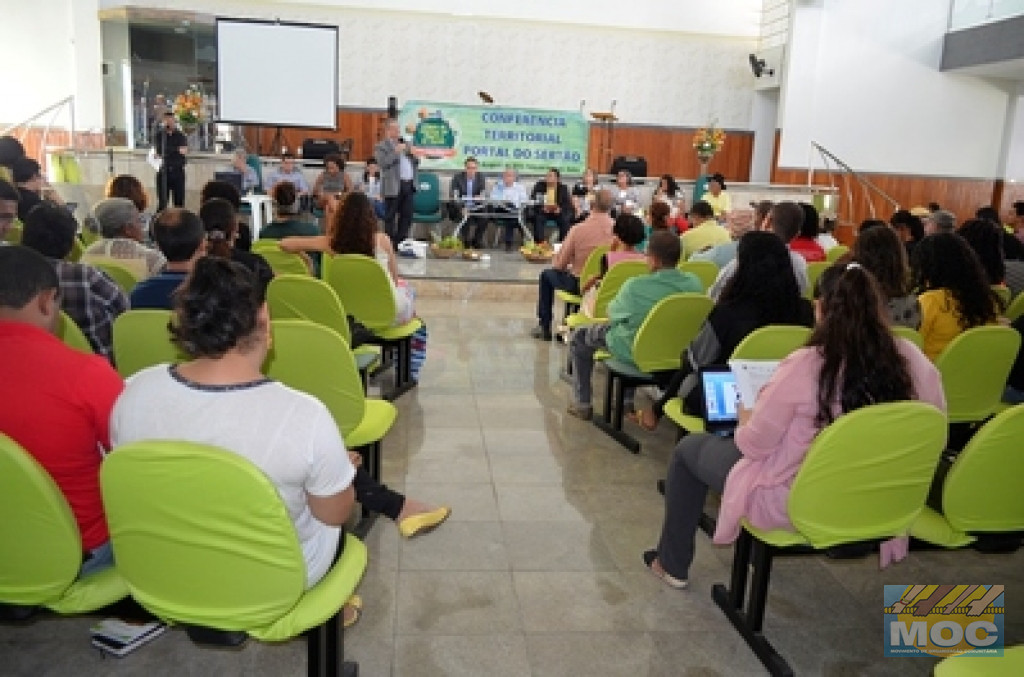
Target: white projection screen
<point>277,74</point>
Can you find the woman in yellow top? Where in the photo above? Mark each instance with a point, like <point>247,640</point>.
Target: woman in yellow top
<point>718,197</point>
<point>954,292</point>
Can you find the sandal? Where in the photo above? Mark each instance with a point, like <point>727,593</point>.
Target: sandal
<point>352,611</point>
<point>643,418</point>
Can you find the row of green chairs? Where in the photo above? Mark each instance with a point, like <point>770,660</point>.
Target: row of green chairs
<point>224,569</point>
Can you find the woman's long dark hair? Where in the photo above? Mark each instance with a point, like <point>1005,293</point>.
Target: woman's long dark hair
<point>986,239</point>
<point>946,261</point>
<point>881,252</point>
<point>860,362</point>
<point>355,226</point>
<point>764,278</point>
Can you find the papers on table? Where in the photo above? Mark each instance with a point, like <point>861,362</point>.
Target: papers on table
<point>154,160</point>
<point>751,376</point>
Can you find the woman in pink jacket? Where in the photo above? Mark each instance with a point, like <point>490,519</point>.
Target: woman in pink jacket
<point>851,360</point>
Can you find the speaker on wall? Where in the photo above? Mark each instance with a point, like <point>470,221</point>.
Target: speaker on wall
<point>392,107</point>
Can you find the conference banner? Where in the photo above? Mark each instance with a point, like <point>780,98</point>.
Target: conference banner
<point>531,140</point>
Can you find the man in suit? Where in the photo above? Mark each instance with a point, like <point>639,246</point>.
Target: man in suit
<point>398,181</point>
<point>553,204</point>
<point>464,187</point>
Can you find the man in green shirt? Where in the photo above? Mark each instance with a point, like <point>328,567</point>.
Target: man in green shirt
<point>626,313</point>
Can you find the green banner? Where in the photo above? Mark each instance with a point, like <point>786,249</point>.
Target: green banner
<point>443,135</point>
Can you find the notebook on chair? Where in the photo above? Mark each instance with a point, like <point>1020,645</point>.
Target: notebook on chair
<point>719,402</point>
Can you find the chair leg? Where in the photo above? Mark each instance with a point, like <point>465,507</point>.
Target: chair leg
<point>611,419</point>
<point>325,650</point>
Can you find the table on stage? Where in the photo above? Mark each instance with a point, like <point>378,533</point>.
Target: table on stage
<point>487,209</point>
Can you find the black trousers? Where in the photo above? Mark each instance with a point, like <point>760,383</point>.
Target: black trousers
<point>398,213</point>
<point>376,497</point>
<point>540,219</point>
<point>170,180</point>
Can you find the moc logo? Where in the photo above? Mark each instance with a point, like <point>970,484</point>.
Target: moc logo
<point>943,620</point>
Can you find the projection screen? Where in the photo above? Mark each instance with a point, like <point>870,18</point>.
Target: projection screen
<point>277,74</point>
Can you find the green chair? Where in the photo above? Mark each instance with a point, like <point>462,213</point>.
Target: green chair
<point>203,539</point>
<point>1011,664</point>
<point>121,276</point>
<point>911,335</point>
<point>301,297</point>
<point>591,268</point>
<point>76,252</point>
<point>72,336</point>
<point>773,342</point>
<point>43,570</point>
<point>280,261</point>
<point>836,253</point>
<point>426,202</point>
<point>706,271</point>
<point>974,368</point>
<point>666,331</point>
<point>814,271</point>
<point>983,492</point>
<point>365,291</point>
<point>13,234</point>
<point>141,339</point>
<point>88,236</point>
<point>864,478</point>
<point>610,285</point>
<point>1003,294</point>
<point>1016,308</point>
<point>257,166</point>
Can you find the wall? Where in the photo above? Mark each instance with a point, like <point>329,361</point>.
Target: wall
<point>863,81</point>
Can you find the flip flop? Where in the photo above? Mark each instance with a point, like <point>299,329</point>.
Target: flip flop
<point>355,603</point>
<point>635,417</point>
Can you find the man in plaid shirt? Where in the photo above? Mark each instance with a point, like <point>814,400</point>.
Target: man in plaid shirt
<point>87,295</point>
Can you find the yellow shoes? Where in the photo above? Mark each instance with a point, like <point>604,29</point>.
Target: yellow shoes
<point>353,611</point>
<point>423,522</point>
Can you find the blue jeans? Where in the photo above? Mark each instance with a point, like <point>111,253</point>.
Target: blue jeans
<point>378,209</point>
<point>550,280</point>
<point>100,558</point>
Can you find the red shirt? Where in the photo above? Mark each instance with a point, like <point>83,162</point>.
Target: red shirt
<point>807,248</point>
<point>56,404</point>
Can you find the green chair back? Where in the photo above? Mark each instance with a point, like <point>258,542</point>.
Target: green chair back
<point>123,277</point>
<point>1010,664</point>
<point>282,262</point>
<point>257,166</point>
<point>1003,294</point>
<point>141,339</point>
<point>773,342</point>
<point>912,335</point>
<point>613,281</point>
<point>76,252</point>
<point>89,236</point>
<point>71,334</point>
<point>866,476</point>
<point>1016,308</point>
<point>317,360</point>
<point>974,368</point>
<point>984,489</point>
<point>13,234</point>
<point>814,271</point>
<point>836,253</point>
<point>426,202</point>
<point>670,326</point>
<point>592,266</point>
<point>364,290</point>
<point>301,297</point>
<point>706,271</point>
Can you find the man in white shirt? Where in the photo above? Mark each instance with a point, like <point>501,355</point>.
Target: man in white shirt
<point>513,195</point>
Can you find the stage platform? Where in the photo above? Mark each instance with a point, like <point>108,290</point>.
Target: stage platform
<point>502,276</point>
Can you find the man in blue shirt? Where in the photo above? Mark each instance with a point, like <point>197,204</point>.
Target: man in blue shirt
<point>513,195</point>
<point>181,238</point>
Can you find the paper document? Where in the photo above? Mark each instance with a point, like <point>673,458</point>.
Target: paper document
<point>154,161</point>
<point>751,376</point>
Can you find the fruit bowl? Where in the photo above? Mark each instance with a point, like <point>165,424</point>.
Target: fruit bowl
<point>537,253</point>
<point>443,252</point>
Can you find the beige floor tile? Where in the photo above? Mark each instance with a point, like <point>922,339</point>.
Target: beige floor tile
<point>457,546</point>
<point>608,654</point>
<point>456,603</point>
<point>500,655</point>
<point>556,546</point>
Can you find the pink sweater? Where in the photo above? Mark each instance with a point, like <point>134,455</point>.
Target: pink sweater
<point>776,438</point>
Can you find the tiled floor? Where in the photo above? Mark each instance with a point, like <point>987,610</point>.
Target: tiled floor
<point>538,571</point>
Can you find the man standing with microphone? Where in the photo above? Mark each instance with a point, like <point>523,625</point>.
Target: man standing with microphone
<point>398,181</point>
<point>170,146</point>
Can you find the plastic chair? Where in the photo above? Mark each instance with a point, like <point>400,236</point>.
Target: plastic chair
<point>974,368</point>
<point>141,339</point>
<point>773,342</point>
<point>912,335</point>
<point>280,261</point>
<point>316,360</point>
<point>836,253</point>
<point>706,271</point>
<point>1003,294</point>
<point>13,235</point>
<point>865,478</point>
<point>666,331</point>
<point>71,334</point>
<point>610,285</point>
<point>257,166</point>
<point>591,267</point>
<point>364,290</point>
<point>203,539</point>
<point>76,252</point>
<point>426,202</point>
<point>814,271</point>
<point>983,492</point>
<point>43,570</point>
<point>1016,308</point>
<point>1011,664</point>
<point>301,297</point>
<point>121,276</point>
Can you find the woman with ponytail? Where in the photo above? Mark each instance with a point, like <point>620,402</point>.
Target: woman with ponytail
<point>851,360</point>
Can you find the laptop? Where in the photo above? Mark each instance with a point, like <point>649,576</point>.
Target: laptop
<point>234,178</point>
<point>719,402</point>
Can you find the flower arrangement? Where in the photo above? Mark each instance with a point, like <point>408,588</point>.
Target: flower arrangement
<point>188,106</point>
<point>708,140</point>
